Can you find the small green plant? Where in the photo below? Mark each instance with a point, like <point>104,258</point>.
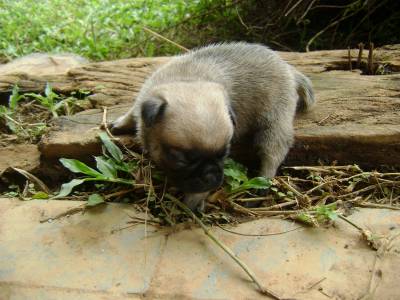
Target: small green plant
<point>9,115</point>
<point>109,166</point>
<point>112,168</point>
<point>13,191</point>
<point>319,215</point>
<point>52,101</point>
<point>94,200</point>
<point>237,181</point>
<point>29,121</point>
<point>7,112</point>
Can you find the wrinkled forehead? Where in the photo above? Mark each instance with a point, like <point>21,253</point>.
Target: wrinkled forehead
<point>197,127</point>
<point>197,116</point>
<point>183,90</point>
<point>184,132</point>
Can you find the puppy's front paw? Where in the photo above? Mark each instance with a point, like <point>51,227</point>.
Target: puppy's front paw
<point>122,125</point>
<point>196,202</point>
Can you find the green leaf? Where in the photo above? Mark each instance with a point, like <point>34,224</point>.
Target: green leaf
<point>67,188</point>
<point>327,211</point>
<point>77,166</point>
<point>127,167</point>
<point>235,170</point>
<point>306,218</point>
<point>57,106</point>
<point>281,195</point>
<point>48,91</point>
<point>332,215</point>
<point>105,167</point>
<point>14,98</point>
<point>258,183</point>
<point>232,184</point>
<point>4,110</point>
<point>113,149</point>
<point>95,199</point>
<point>40,195</point>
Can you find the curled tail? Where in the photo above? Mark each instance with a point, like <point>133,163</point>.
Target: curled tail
<point>305,91</point>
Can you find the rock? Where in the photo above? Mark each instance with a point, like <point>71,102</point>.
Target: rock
<point>39,64</point>
<point>117,82</point>
<point>356,119</point>
<point>77,136</point>
<point>87,256</point>
<point>22,156</point>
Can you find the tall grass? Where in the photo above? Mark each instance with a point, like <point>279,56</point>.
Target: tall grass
<point>97,29</point>
<point>112,29</point>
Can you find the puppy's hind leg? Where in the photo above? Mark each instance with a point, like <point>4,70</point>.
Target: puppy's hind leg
<point>274,143</point>
<point>125,124</point>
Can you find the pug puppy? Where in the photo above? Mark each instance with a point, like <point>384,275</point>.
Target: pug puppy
<point>190,111</point>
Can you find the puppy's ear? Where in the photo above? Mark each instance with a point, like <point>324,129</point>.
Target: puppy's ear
<point>232,115</point>
<point>152,111</point>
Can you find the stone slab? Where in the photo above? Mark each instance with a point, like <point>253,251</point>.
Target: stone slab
<point>77,136</point>
<point>21,156</point>
<point>76,255</point>
<point>355,120</point>
<point>79,258</point>
<point>39,64</point>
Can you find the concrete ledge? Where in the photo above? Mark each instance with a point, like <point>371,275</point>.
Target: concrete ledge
<point>78,257</point>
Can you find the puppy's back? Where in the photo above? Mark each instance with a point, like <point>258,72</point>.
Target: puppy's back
<point>258,82</point>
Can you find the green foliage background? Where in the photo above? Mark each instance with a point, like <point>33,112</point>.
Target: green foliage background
<point>98,29</point>
<point>112,29</point>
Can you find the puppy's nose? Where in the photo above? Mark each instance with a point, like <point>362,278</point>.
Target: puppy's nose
<point>213,177</point>
<point>212,181</point>
<point>211,169</point>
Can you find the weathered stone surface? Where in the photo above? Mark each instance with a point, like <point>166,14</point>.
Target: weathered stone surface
<point>79,257</point>
<point>39,64</point>
<point>119,81</point>
<point>344,126</point>
<point>21,156</point>
<point>77,136</point>
<point>356,119</point>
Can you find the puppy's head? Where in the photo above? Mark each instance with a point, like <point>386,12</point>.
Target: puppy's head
<point>187,129</point>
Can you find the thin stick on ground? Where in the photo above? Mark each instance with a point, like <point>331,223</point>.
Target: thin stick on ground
<point>276,206</point>
<point>376,205</point>
<point>350,222</point>
<point>165,39</point>
<point>259,235</point>
<point>34,179</point>
<point>68,212</point>
<point>253,277</point>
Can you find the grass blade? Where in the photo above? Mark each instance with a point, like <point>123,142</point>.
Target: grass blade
<point>94,200</point>
<point>113,149</point>
<point>14,98</point>
<point>67,188</point>
<point>105,167</point>
<point>77,166</point>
